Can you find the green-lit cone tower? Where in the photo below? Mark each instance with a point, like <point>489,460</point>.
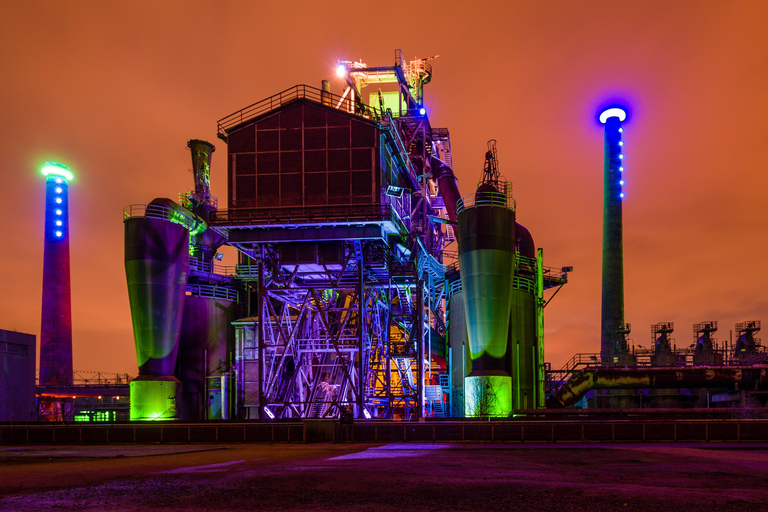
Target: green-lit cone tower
<point>486,229</point>
<point>156,269</point>
<point>612,341</point>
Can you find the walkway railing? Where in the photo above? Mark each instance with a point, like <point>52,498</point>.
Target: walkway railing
<point>212,292</point>
<point>290,95</point>
<point>501,199</point>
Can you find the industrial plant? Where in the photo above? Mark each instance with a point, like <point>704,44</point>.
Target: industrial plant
<point>366,285</point>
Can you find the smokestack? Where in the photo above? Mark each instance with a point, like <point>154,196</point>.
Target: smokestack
<point>56,320</point>
<point>202,151</point>
<point>325,92</point>
<point>612,318</point>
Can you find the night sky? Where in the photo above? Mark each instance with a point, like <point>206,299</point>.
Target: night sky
<point>115,90</point>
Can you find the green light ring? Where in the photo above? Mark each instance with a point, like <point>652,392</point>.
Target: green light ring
<point>57,169</point>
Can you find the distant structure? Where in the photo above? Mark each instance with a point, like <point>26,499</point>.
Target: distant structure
<point>17,376</point>
<point>613,332</point>
<point>56,325</point>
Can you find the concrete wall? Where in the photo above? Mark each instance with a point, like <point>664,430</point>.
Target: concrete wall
<point>17,376</point>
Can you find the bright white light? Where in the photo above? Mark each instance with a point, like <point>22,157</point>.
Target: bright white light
<point>621,143</point>
<point>613,112</point>
<point>621,195</point>
<point>59,223</point>
<point>366,414</point>
<point>58,233</point>
<point>621,182</point>
<point>341,71</point>
<point>58,200</point>
<point>58,190</point>
<point>269,413</point>
<point>621,157</point>
<point>58,212</point>
<point>422,111</point>
<point>59,181</point>
<point>621,169</point>
<point>621,130</point>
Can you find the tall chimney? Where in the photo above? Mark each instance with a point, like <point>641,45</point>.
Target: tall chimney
<point>612,343</point>
<point>56,320</point>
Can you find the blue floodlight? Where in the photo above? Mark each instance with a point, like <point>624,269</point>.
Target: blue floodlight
<point>422,111</point>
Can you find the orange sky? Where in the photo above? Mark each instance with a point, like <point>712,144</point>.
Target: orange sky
<point>115,89</point>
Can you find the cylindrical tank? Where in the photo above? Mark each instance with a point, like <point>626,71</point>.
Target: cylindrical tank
<point>156,269</point>
<point>457,344</point>
<point>487,259</point>
<point>205,350</point>
<point>524,351</point>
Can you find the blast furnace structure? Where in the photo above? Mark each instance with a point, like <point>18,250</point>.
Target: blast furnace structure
<point>343,209</point>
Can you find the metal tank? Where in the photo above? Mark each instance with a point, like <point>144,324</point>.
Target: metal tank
<point>156,269</point>
<point>459,361</point>
<point>487,259</point>
<point>524,354</point>
<point>486,240</point>
<point>206,356</point>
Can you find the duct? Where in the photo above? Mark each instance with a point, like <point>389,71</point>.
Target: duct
<point>656,378</point>
<point>447,186</point>
<point>180,215</point>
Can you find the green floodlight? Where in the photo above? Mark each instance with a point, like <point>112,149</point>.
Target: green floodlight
<point>57,169</point>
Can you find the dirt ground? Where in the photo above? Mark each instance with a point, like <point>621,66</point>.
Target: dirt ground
<point>386,477</point>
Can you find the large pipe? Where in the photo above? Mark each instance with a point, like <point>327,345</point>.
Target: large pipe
<point>656,378</point>
<point>447,186</point>
<point>612,311</point>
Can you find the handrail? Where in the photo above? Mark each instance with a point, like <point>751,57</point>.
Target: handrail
<point>211,268</point>
<point>492,199</point>
<point>297,92</point>
<point>303,215</point>
<point>154,211</point>
<point>212,292</point>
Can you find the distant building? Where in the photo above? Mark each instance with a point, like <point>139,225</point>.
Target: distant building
<point>17,376</point>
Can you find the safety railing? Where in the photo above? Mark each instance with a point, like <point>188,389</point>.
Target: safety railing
<point>94,378</point>
<point>297,92</point>
<point>523,283</point>
<point>303,215</point>
<point>153,211</point>
<point>212,292</point>
<point>211,268</point>
<point>501,199</point>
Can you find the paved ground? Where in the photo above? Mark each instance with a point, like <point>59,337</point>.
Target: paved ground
<point>391,477</point>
